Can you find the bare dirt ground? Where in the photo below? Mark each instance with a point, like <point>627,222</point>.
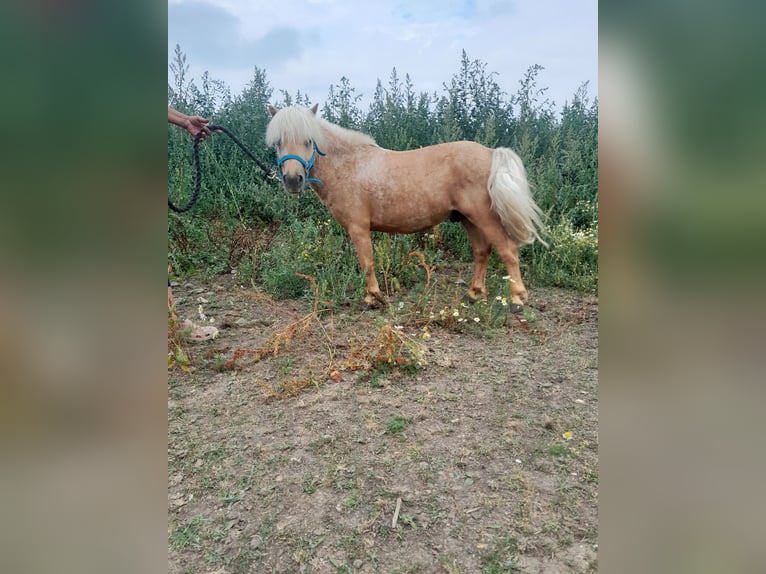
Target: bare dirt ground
<point>470,453</point>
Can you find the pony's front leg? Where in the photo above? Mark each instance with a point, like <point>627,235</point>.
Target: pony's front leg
<point>363,244</point>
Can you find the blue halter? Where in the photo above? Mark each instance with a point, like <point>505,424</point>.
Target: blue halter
<point>307,165</point>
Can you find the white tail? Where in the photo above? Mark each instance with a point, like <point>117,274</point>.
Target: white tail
<point>511,199</point>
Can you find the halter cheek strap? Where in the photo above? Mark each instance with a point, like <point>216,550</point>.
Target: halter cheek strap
<point>307,165</point>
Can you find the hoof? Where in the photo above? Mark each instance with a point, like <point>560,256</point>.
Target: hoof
<point>516,308</point>
<point>468,299</point>
<point>377,303</point>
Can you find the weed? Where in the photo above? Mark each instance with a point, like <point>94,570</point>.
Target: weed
<point>501,559</point>
<point>561,450</point>
<point>187,535</point>
<point>340,567</point>
<point>304,547</point>
<point>242,562</point>
<point>353,500</point>
<point>231,497</point>
<point>409,520</point>
<point>310,485</point>
<point>352,545</point>
<point>285,365</point>
<point>375,378</point>
<point>449,564</point>
<point>343,484</point>
<point>397,424</point>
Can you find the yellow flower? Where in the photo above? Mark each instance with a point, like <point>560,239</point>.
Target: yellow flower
<point>567,435</point>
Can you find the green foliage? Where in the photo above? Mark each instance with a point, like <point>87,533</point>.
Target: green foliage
<point>397,424</point>
<point>571,260</point>
<point>342,105</point>
<point>250,226</point>
<point>501,559</point>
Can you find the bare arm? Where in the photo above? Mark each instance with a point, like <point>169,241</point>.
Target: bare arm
<point>192,124</point>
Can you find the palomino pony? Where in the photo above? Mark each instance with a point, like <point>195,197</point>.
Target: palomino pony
<point>368,188</point>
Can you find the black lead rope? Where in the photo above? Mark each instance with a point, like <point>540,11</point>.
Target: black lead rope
<point>270,173</point>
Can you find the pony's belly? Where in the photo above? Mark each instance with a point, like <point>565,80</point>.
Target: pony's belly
<point>410,223</point>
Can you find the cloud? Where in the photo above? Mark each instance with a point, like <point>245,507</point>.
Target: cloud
<point>212,37</point>
<point>426,11</point>
<point>307,45</point>
<point>502,8</point>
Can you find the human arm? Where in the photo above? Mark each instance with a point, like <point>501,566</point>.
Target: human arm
<point>192,124</point>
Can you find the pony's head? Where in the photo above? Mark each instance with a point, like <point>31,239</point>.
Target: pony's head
<point>296,134</point>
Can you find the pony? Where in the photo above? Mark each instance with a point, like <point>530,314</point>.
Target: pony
<point>369,188</point>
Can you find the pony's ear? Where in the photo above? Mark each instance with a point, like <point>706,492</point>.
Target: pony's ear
<point>314,109</point>
<point>273,111</point>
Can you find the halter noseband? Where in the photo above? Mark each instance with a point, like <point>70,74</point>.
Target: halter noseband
<point>307,165</point>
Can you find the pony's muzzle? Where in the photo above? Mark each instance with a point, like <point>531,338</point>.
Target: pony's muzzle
<point>294,183</point>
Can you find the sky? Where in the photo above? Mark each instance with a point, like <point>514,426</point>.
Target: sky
<point>308,45</point>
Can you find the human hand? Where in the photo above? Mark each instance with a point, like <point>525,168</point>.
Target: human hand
<point>197,124</point>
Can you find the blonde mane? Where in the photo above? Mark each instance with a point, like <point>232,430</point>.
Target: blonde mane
<point>348,136</point>
<point>294,125</point>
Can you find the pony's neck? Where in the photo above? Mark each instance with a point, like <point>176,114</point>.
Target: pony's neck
<point>342,138</point>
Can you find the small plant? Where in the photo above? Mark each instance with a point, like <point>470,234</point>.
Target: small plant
<point>231,497</point>
<point>285,365</point>
<point>397,424</point>
<point>375,378</point>
<point>187,535</point>
<point>501,559</point>
<point>310,485</point>
<point>409,520</point>
<point>561,450</point>
<point>304,547</point>
<point>177,355</point>
<point>529,315</point>
<point>353,500</point>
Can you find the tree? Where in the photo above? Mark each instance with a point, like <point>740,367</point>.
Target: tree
<point>342,105</point>
<point>177,92</point>
<point>474,107</point>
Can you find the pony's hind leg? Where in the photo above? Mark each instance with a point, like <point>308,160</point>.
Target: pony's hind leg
<point>481,249</point>
<point>508,251</point>
<point>361,239</point>
<point>518,291</point>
